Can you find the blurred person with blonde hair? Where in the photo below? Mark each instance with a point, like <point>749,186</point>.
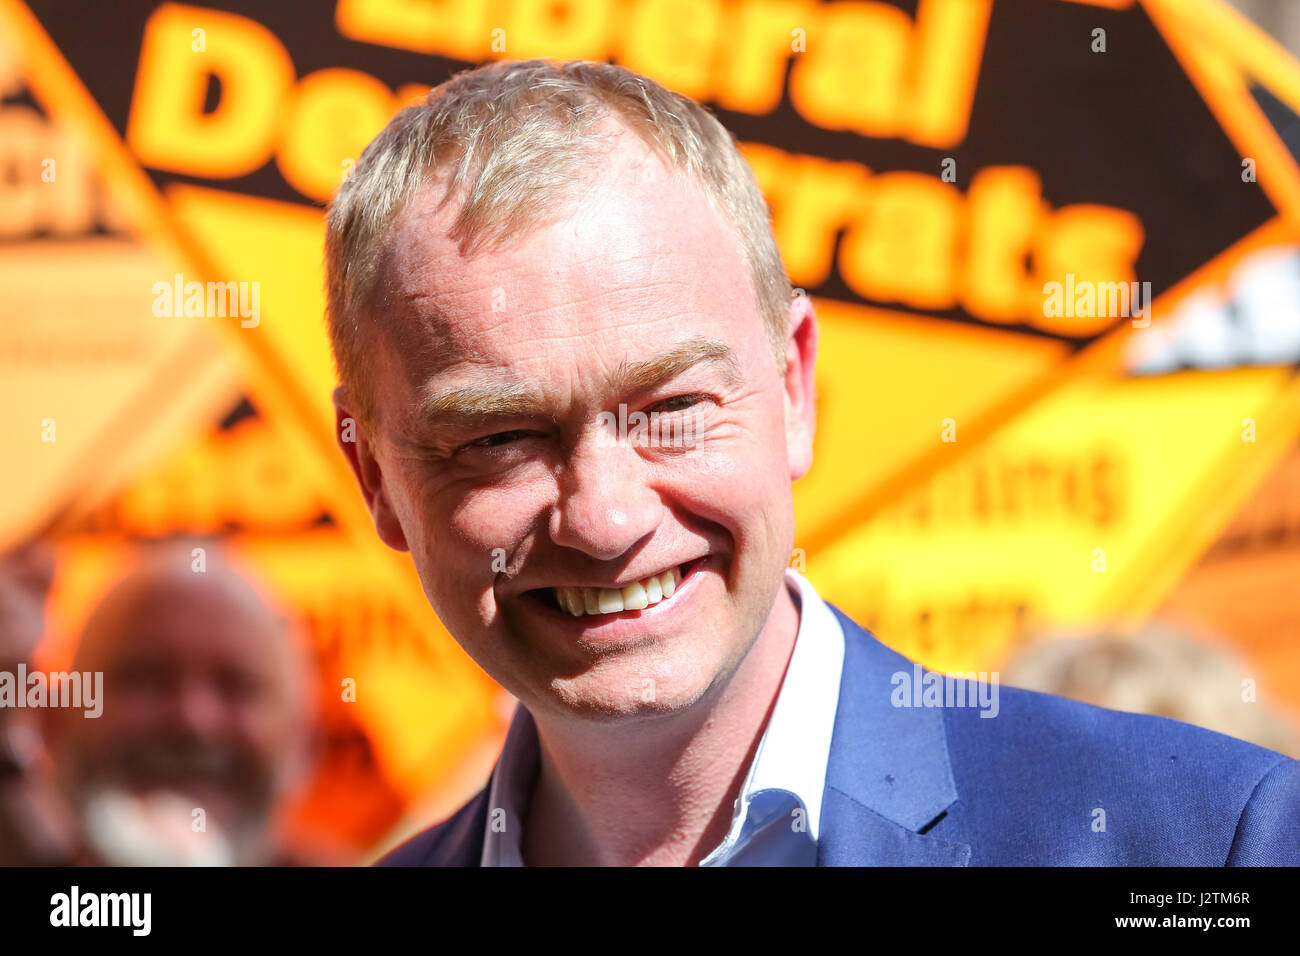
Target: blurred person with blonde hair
<point>1159,671</point>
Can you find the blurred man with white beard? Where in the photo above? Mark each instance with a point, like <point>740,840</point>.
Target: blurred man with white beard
<point>205,725</point>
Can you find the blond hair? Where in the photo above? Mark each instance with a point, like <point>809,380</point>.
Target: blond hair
<point>515,136</point>
<point>1158,670</point>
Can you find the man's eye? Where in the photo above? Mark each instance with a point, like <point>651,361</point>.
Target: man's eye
<point>499,438</point>
<point>680,402</point>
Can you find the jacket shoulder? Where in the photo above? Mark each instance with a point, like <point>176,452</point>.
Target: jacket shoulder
<point>1099,785</point>
<point>456,841</point>
<point>1068,732</point>
<point>1045,780</point>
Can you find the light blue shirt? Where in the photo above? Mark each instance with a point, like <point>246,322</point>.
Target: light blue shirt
<point>778,813</point>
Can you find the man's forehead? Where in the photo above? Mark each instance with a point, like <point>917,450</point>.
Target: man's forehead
<point>622,216</point>
<point>171,609</point>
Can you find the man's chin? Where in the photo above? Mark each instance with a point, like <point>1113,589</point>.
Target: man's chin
<point>614,693</point>
<point>154,827</point>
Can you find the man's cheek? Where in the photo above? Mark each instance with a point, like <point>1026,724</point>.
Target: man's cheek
<point>488,529</point>
<point>407,511</point>
<point>458,581</point>
<point>709,462</point>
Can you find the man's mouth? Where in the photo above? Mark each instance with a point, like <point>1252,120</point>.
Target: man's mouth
<point>636,596</point>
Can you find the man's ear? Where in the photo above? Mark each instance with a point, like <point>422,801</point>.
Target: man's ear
<point>358,448</point>
<point>800,365</point>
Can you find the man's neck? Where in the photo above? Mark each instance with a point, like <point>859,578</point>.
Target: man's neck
<point>667,798</point>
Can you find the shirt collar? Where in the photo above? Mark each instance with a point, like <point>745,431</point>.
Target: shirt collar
<point>791,759</point>
<point>795,749</point>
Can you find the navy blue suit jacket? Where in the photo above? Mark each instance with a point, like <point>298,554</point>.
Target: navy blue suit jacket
<point>943,786</point>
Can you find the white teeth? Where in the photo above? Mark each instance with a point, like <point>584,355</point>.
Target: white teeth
<point>669,582</point>
<point>634,597</point>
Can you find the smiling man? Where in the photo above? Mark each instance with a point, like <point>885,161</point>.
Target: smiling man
<point>520,266</point>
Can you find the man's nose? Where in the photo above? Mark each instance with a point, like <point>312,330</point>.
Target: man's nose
<point>198,708</point>
<point>605,503</point>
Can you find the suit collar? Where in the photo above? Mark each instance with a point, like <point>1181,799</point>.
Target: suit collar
<point>889,777</point>
<point>462,843</point>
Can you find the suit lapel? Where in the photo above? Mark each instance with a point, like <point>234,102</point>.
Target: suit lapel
<point>889,777</point>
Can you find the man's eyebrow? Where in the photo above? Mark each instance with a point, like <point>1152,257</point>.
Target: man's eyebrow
<point>650,373</point>
<point>468,404</point>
